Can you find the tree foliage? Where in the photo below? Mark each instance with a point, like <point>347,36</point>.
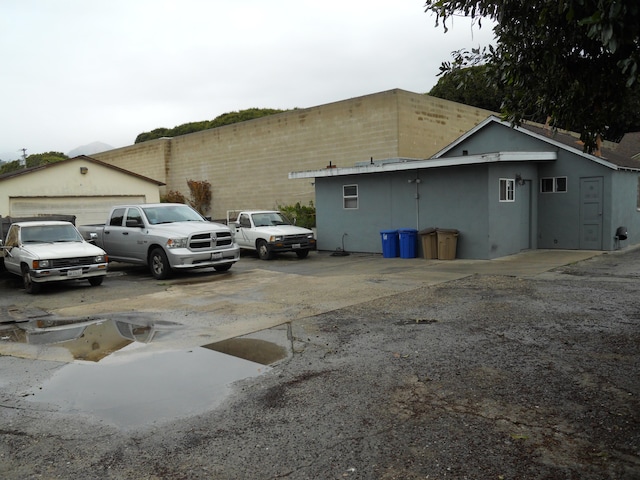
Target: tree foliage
<point>470,86</point>
<point>173,196</point>
<point>200,195</point>
<point>12,166</point>
<point>219,121</point>
<point>38,159</point>
<point>573,61</point>
<point>301,215</point>
<point>34,160</point>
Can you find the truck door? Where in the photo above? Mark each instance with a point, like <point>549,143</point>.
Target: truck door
<point>113,231</point>
<point>135,234</point>
<point>243,228</point>
<point>11,250</point>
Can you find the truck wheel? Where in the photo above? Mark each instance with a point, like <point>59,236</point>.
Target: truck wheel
<point>29,285</point>
<point>159,264</point>
<point>95,281</point>
<point>263,250</point>
<point>222,268</point>
<point>302,253</point>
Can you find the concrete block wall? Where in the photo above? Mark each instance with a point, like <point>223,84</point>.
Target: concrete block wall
<point>428,124</point>
<point>151,159</point>
<point>247,164</point>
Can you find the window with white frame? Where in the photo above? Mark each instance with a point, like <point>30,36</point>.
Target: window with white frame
<point>507,190</point>
<point>553,185</point>
<point>350,196</point>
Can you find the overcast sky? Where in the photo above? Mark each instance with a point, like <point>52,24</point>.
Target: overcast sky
<point>79,71</point>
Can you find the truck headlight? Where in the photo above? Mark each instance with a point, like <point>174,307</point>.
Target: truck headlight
<point>276,238</point>
<point>310,235</point>
<point>177,243</point>
<point>99,259</point>
<point>41,264</point>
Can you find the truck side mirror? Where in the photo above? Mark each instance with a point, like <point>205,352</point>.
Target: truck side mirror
<point>134,223</point>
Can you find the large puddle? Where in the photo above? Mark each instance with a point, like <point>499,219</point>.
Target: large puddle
<point>139,386</point>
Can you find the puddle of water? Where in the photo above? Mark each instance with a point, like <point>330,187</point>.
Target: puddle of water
<point>148,389</point>
<point>143,386</point>
<point>90,339</point>
<point>252,349</point>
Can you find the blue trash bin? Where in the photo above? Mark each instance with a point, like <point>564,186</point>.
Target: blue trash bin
<point>408,241</point>
<point>389,243</point>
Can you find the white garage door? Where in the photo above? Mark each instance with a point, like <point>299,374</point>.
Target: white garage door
<point>88,210</point>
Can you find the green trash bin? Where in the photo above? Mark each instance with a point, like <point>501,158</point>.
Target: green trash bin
<point>429,238</point>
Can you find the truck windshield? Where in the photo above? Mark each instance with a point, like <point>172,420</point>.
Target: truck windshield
<point>267,219</point>
<point>49,234</point>
<point>170,214</point>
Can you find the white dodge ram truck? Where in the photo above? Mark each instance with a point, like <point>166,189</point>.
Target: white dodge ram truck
<point>269,232</point>
<point>51,251</point>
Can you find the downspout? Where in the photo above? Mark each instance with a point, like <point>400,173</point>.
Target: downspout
<point>417,200</point>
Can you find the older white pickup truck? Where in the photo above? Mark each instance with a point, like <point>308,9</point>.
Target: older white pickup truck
<point>51,251</point>
<point>165,237</point>
<point>269,232</point>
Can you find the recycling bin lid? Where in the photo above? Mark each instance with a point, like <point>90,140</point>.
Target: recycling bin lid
<point>427,231</point>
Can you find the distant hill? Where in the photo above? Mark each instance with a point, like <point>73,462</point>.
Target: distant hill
<point>89,149</point>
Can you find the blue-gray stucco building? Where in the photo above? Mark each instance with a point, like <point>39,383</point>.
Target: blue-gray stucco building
<point>504,189</point>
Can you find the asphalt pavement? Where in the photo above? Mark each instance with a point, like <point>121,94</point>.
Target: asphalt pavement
<point>519,367</point>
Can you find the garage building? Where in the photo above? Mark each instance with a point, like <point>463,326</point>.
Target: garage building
<point>81,186</point>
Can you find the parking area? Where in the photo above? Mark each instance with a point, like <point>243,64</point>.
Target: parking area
<point>522,367</point>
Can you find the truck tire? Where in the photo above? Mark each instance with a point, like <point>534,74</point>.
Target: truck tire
<point>159,264</point>
<point>29,285</point>
<point>96,281</point>
<point>302,253</point>
<point>263,250</point>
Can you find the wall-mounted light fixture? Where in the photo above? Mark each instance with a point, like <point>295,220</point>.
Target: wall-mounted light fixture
<point>84,170</point>
<point>519,179</point>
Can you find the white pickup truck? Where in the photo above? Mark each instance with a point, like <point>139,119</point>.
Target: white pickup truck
<point>51,251</point>
<point>165,237</point>
<point>269,232</point>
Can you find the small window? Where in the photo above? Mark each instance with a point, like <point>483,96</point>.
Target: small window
<point>553,185</point>
<point>561,184</point>
<point>507,190</point>
<point>116,217</point>
<point>546,185</point>
<point>350,196</point>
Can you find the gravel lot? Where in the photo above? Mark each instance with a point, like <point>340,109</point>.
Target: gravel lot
<point>483,377</point>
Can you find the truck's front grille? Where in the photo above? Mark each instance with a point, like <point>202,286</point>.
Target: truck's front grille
<point>224,239</point>
<point>209,240</point>
<point>72,262</point>
<point>291,239</point>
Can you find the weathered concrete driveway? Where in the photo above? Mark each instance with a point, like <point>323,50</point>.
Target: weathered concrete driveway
<point>523,367</point>
<point>254,295</point>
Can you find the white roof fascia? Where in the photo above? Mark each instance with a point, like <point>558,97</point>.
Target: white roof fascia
<point>429,163</point>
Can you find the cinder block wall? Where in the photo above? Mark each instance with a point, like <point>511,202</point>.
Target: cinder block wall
<point>248,163</point>
<point>150,159</point>
<point>428,124</point>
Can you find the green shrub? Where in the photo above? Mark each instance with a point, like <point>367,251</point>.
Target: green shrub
<point>300,215</point>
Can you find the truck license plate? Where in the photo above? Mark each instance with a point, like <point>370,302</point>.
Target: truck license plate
<point>295,245</point>
<point>74,273</point>
<point>216,256</point>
